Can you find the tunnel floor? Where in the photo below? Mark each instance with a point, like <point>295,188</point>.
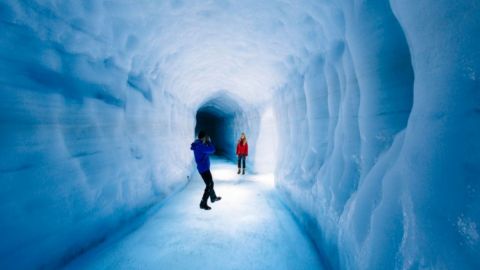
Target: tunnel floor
<point>248,229</point>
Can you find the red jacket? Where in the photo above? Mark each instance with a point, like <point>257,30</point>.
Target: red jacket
<point>242,149</point>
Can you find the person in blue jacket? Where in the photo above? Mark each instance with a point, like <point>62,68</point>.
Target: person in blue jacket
<point>202,149</point>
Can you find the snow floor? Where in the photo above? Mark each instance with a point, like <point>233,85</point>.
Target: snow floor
<point>248,229</point>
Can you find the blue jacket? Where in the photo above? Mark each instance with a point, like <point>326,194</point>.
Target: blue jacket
<point>201,152</point>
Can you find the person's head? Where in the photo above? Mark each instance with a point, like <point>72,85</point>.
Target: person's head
<point>243,138</point>
<point>203,136</point>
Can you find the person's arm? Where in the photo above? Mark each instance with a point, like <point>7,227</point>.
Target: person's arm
<point>246,148</point>
<point>208,148</point>
<point>238,146</point>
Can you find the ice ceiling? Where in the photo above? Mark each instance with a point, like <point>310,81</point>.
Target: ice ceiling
<point>244,47</point>
<point>188,47</point>
<point>367,111</point>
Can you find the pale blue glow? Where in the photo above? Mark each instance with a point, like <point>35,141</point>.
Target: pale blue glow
<point>248,229</point>
<point>364,115</point>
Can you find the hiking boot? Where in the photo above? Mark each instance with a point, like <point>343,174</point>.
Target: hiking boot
<point>243,172</point>
<point>216,199</point>
<point>205,206</point>
<point>238,171</point>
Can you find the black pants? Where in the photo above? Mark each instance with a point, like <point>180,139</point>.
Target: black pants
<point>241,161</point>
<point>209,192</point>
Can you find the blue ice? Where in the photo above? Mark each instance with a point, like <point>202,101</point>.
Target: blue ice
<point>250,228</point>
<point>367,112</point>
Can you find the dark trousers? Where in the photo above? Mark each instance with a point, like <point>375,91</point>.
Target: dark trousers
<point>241,161</point>
<point>209,192</point>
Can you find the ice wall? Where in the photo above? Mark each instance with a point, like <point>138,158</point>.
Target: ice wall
<point>388,111</point>
<point>368,110</point>
<point>88,138</point>
<point>98,109</point>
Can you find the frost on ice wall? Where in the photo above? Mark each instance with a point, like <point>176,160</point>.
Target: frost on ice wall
<point>367,110</point>
<point>88,137</point>
<point>389,176</point>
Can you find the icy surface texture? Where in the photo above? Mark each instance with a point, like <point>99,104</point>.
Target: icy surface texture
<point>248,229</point>
<point>86,141</point>
<point>389,175</point>
<point>224,117</point>
<point>367,110</point>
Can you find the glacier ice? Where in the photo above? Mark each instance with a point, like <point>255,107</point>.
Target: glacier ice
<point>249,229</point>
<point>367,112</point>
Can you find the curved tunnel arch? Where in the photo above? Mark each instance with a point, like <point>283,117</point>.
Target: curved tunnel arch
<point>224,116</point>
<point>369,113</point>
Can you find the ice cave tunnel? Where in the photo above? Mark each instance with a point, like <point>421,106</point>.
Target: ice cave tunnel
<point>362,118</point>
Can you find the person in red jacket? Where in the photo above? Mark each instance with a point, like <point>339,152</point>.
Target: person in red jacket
<point>242,152</point>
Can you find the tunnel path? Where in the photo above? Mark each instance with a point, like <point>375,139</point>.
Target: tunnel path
<point>248,229</point>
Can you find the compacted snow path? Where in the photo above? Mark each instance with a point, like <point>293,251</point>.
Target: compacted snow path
<point>248,229</point>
